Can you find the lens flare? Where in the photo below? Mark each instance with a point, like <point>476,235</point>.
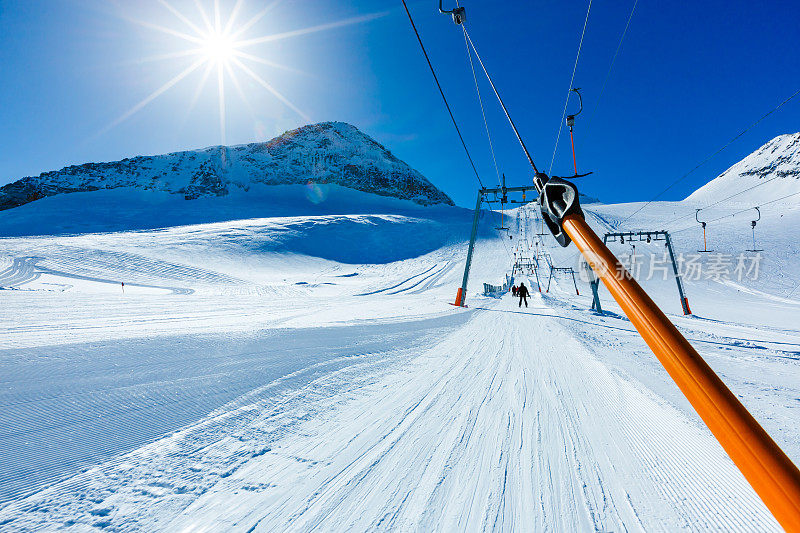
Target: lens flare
<point>218,42</point>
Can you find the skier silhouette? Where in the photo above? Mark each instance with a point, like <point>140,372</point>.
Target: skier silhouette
<point>523,293</point>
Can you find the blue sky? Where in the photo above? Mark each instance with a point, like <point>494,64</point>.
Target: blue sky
<point>689,77</point>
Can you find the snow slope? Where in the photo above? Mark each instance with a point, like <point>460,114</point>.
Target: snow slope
<point>306,372</point>
<point>131,209</point>
<point>774,169</point>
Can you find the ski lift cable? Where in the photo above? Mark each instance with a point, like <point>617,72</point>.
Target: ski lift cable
<point>759,205</point>
<point>707,159</point>
<point>480,101</point>
<point>447,105</point>
<point>723,200</point>
<point>569,88</point>
<point>502,104</point>
<point>610,68</point>
<point>744,210</point>
<point>444,98</point>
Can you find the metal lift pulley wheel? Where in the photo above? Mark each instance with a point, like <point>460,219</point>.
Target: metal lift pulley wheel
<point>459,13</point>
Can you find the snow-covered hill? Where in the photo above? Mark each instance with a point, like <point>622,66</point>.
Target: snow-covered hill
<point>774,168</point>
<point>326,153</point>
<point>259,375</point>
<point>302,369</point>
<point>128,208</point>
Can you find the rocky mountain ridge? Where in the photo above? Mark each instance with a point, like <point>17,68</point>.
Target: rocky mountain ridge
<point>329,152</point>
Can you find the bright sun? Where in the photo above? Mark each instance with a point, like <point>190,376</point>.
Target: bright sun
<point>219,48</point>
<point>216,42</point>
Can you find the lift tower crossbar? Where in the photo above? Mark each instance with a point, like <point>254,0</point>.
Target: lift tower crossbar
<point>651,236</point>
<point>461,295</point>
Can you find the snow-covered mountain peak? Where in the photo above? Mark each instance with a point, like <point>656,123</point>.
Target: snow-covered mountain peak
<point>326,153</point>
<point>773,169</point>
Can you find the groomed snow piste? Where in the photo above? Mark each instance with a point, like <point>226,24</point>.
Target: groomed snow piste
<point>306,372</point>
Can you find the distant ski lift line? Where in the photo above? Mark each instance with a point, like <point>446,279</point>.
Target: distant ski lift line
<point>723,200</point>
<point>745,210</point>
<point>714,154</point>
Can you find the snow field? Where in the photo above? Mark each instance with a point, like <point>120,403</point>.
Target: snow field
<point>282,390</point>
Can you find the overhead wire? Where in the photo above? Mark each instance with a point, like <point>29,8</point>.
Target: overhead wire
<point>707,159</point>
<point>441,92</point>
<point>744,210</point>
<point>450,112</point>
<point>485,122</point>
<point>447,105</point>
<point>502,104</point>
<point>569,89</point>
<point>611,67</point>
<point>722,200</point>
<point>480,101</point>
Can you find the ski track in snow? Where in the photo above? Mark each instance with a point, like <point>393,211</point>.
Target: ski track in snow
<point>300,395</point>
<point>135,391</point>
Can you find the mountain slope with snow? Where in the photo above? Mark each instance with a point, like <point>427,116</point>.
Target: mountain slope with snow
<point>126,208</point>
<point>333,153</point>
<point>773,169</point>
<point>301,370</point>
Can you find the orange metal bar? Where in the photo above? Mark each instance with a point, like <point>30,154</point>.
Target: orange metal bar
<point>575,161</point>
<point>765,466</point>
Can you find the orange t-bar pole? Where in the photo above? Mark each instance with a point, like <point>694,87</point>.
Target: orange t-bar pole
<point>572,141</point>
<point>765,466</point>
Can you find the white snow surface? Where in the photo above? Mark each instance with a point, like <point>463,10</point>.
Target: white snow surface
<point>772,171</point>
<point>307,373</point>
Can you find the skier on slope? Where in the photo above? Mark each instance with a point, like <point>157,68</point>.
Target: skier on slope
<point>513,290</point>
<point>523,293</point>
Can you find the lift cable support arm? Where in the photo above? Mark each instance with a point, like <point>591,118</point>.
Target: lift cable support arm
<point>459,13</point>
<point>705,249</point>
<point>571,123</point>
<point>753,227</point>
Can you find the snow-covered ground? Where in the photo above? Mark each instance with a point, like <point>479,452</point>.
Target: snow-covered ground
<point>308,373</point>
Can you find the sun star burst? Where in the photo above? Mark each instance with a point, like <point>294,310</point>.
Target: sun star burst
<point>219,45</point>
